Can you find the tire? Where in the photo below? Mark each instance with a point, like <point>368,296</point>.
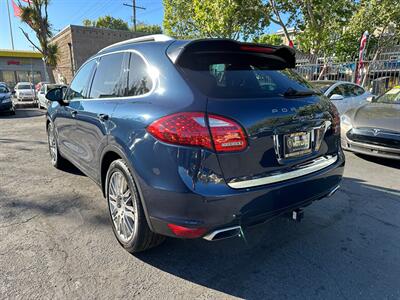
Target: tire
<point>126,211</point>
<point>57,160</point>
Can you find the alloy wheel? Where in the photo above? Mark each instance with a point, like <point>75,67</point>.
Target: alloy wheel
<point>122,205</point>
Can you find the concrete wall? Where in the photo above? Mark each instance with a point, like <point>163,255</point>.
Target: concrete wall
<point>85,41</point>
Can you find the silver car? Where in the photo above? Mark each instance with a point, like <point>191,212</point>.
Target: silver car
<point>42,101</point>
<point>345,95</point>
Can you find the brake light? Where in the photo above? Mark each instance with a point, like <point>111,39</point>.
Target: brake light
<point>191,129</point>
<point>257,49</point>
<point>186,232</point>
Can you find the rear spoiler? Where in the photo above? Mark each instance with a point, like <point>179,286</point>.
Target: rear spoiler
<point>178,48</point>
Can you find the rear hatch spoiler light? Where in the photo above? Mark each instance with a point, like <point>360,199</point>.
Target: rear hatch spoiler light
<point>179,51</point>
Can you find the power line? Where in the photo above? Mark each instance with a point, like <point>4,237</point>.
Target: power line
<point>134,7</point>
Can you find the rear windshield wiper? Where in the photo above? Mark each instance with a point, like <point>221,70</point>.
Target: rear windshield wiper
<point>295,93</point>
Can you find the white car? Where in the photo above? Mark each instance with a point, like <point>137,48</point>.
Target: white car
<point>345,95</point>
<point>24,91</point>
<point>42,101</point>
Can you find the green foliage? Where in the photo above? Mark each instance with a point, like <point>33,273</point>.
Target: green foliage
<point>148,28</point>
<point>271,39</point>
<point>107,22</point>
<point>214,18</point>
<point>36,17</point>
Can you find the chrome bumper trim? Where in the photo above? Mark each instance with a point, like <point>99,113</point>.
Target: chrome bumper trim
<point>314,166</point>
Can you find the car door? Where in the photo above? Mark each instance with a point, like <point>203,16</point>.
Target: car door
<point>42,96</point>
<point>64,121</point>
<point>340,104</point>
<point>94,113</point>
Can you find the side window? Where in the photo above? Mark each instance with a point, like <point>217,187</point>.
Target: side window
<point>107,82</point>
<point>79,84</point>
<point>349,90</point>
<point>359,90</point>
<point>43,89</point>
<point>337,91</point>
<point>139,81</point>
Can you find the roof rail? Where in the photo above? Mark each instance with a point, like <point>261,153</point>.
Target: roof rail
<point>145,38</point>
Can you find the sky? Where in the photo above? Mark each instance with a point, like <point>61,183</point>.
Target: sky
<point>65,12</point>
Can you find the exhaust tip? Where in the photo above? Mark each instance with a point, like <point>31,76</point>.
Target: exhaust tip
<point>224,233</point>
<point>334,190</point>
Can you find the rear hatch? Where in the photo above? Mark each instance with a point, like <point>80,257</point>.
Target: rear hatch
<point>286,123</point>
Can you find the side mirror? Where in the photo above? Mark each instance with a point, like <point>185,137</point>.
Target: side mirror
<point>336,97</point>
<point>55,95</point>
<point>370,98</point>
<point>13,92</point>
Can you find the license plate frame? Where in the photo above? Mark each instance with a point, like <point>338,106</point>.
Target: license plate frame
<point>297,144</point>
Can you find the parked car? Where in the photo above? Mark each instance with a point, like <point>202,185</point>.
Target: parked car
<point>6,103</point>
<point>185,140</point>
<point>345,95</point>
<point>42,101</point>
<point>24,91</point>
<point>39,85</point>
<point>374,128</point>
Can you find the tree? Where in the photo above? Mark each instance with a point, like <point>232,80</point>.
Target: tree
<point>36,17</point>
<point>148,28</point>
<point>214,18</point>
<point>271,39</point>
<point>107,22</point>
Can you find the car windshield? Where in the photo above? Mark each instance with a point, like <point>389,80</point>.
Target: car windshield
<point>228,75</point>
<point>24,87</point>
<point>52,86</point>
<point>391,97</point>
<point>321,86</point>
<point>3,89</point>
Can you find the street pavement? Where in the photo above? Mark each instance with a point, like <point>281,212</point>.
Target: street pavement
<point>56,241</point>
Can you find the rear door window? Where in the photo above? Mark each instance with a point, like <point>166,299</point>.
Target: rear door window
<point>241,75</point>
<point>139,80</point>
<point>108,78</point>
<point>338,90</point>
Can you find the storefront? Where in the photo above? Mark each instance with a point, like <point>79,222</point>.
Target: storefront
<point>17,66</point>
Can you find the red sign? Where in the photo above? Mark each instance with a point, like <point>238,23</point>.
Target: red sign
<point>13,62</point>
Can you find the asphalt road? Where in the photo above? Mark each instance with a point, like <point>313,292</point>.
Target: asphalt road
<point>56,240</point>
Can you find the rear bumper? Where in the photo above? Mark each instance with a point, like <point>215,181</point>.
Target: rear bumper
<point>370,149</point>
<point>229,207</point>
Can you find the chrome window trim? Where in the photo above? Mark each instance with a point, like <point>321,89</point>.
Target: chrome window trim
<point>314,166</point>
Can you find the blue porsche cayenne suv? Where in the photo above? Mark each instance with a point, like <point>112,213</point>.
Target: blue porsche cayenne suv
<point>195,138</point>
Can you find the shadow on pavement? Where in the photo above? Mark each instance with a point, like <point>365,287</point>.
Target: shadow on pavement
<point>391,163</point>
<point>24,113</point>
<point>327,252</point>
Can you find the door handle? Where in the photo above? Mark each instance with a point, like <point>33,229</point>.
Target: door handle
<point>74,113</point>
<point>103,117</point>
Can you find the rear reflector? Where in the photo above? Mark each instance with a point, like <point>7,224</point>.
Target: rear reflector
<point>192,129</point>
<point>190,233</point>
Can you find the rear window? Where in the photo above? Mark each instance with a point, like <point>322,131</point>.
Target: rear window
<point>24,87</point>
<point>3,89</point>
<point>241,75</point>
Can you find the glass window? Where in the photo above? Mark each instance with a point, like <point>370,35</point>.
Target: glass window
<point>349,90</point>
<point>337,91</point>
<point>358,90</point>
<point>78,87</point>
<point>107,82</point>
<point>231,75</point>
<point>3,89</point>
<point>139,81</point>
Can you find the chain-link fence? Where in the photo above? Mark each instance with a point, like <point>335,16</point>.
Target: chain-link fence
<point>376,76</point>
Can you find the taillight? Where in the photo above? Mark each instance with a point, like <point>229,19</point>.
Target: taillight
<point>192,129</point>
<point>335,119</point>
<point>186,232</point>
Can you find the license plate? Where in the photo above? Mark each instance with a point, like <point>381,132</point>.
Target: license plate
<point>297,144</point>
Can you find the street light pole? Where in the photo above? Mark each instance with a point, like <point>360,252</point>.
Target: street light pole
<point>9,23</point>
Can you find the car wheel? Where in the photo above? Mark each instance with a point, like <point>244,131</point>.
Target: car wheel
<point>126,212</point>
<point>56,159</point>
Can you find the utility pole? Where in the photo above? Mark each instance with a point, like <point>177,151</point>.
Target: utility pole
<point>9,23</point>
<point>134,7</point>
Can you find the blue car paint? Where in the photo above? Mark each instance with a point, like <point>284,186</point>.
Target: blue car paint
<point>188,185</point>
